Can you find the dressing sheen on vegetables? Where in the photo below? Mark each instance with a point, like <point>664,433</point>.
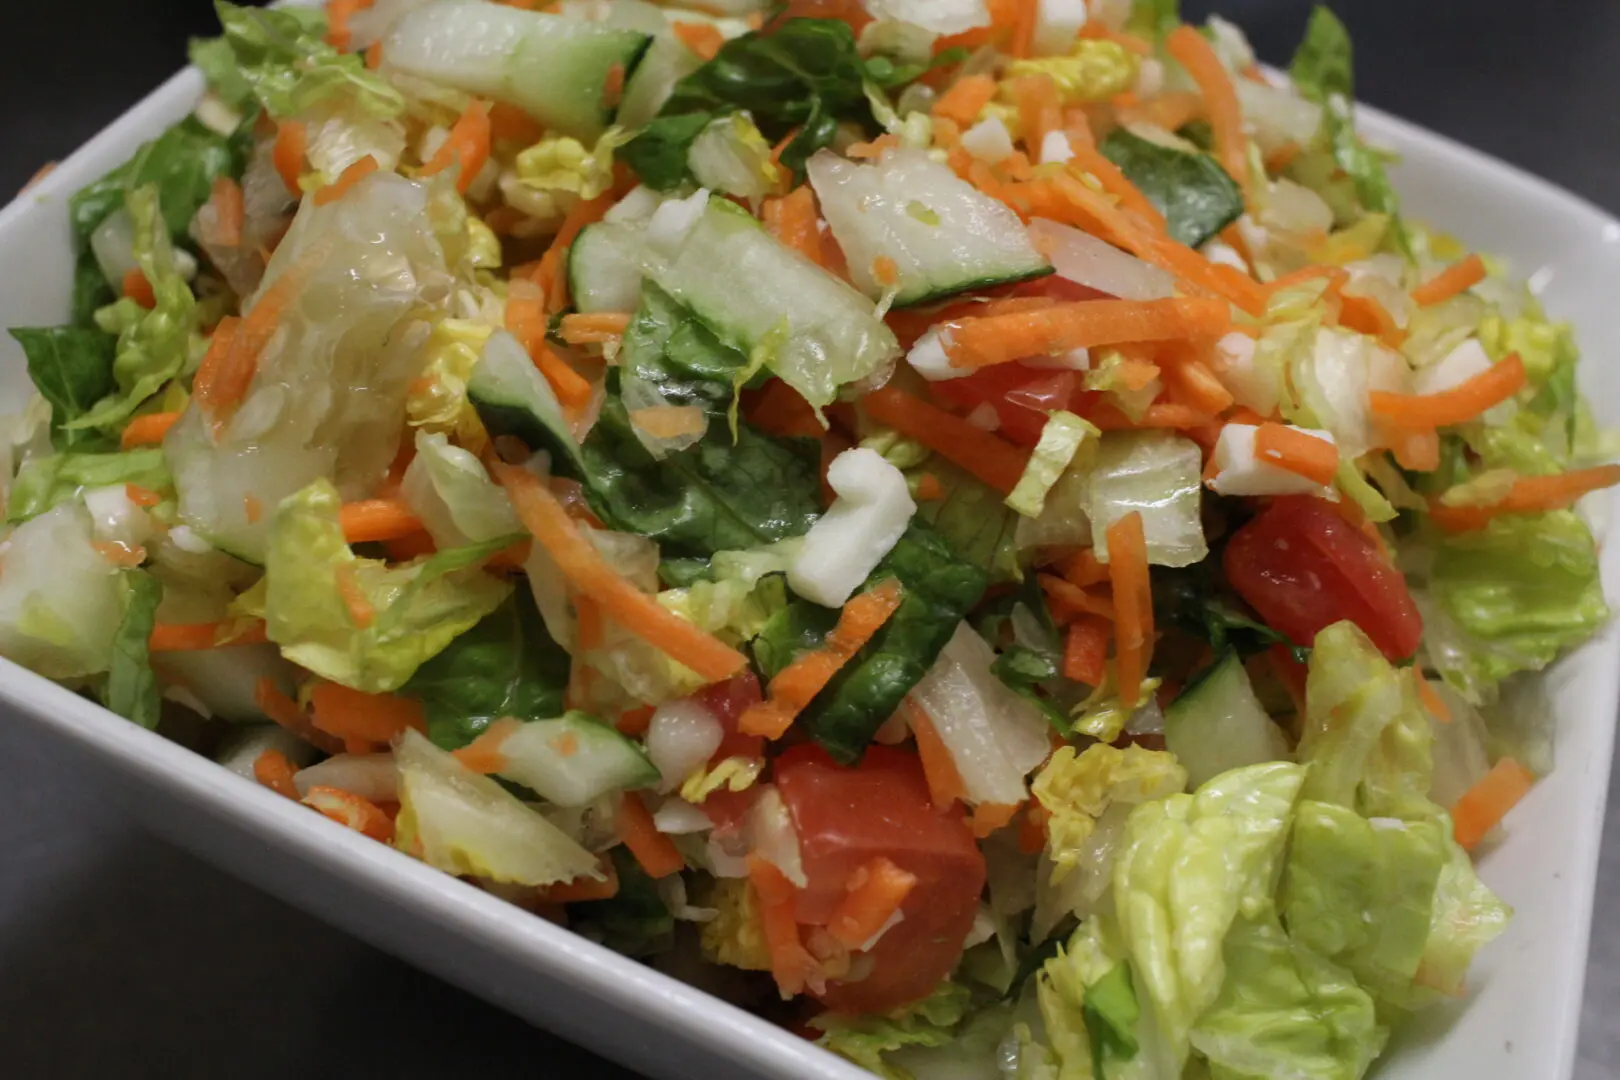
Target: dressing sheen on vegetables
<point>983,518</point>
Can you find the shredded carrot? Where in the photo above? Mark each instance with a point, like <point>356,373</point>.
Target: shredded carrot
<point>1023,27</point>
<point>999,339</point>
<point>1367,316</point>
<point>351,176</point>
<point>792,966</point>
<point>791,219</point>
<point>1083,570</point>
<point>338,14</point>
<point>1431,698</point>
<point>361,612</point>
<point>353,715</point>
<point>653,850</point>
<point>193,637</point>
<point>1116,183</point>
<point>1195,54</point>
<point>1458,277</point>
<point>527,320</point>
<point>137,288</point>
<point>613,86</point>
<point>346,808</point>
<point>1529,495</point>
<point>865,151</point>
<point>1170,111</point>
<point>1196,384</point>
<point>1304,455</point>
<point>1040,110</point>
<point>1494,385</point>
<point>1107,417</point>
<point>1133,605</point>
<point>229,211</point>
<point>508,123</point>
<point>374,55</point>
<point>549,272</point>
<point>796,685</point>
<point>1071,599</point>
<point>589,629</point>
<point>1479,809</point>
<point>1032,830</point>
<point>483,754</point>
<point>284,711</point>
<point>635,722</point>
<point>993,460</point>
<point>966,99</point>
<point>929,489</point>
<point>292,142</point>
<point>939,767</point>
<point>872,897</point>
<point>147,430</point>
<point>143,497</point>
<point>252,508</point>
<point>232,359</point>
<point>467,145</point>
<point>584,888</point>
<point>544,516</point>
<point>272,769</point>
<point>990,817</point>
<point>580,328</point>
<point>701,37</point>
<point>119,553</point>
<point>669,421</point>
<point>885,271</point>
<point>1085,650</point>
<point>1415,450</point>
<point>377,519</point>
<point>1282,157</point>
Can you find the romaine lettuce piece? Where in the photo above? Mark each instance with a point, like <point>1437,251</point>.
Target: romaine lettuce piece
<point>44,482</point>
<point>450,490</point>
<point>283,57</point>
<point>866,1039</point>
<point>1157,474</point>
<point>132,685</point>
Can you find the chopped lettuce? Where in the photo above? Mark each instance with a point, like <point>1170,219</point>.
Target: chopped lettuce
<point>357,621</point>
<point>283,57</point>
<point>865,1039</point>
<point>451,492</point>
<point>735,936</point>
<point>60,600</point>
<point>1062,438</point>
<point>1155,473</point>
<point>977,523</point>
<point>44,482</point>
<point>132,686</point>
<point>1075,788</point>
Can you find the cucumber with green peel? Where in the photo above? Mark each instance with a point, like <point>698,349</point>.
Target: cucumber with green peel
<point>512,398</point>
<point>1217,724</point>
<point>574,759</point>
<point>604,267</point>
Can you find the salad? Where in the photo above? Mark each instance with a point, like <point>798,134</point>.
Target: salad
<point>974,528</point>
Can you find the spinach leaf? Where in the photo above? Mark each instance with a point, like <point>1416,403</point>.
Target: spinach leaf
<point>1189,600</point>
<point>507,665</point>
<point>668,348</point>
<point>888,73</point>
<point>1191,190</point>
<point>91,292</point>
<point>802,74</point>
<point>132,686</point>
<point>1022,670</point>
<point>940,588</point>
<point>72,368</point>
<point>635,920</point>
<point>974,519</point>
<point>45,482</point>
<point>183,162</point>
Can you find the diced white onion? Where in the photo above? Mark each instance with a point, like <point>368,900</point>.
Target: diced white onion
<point>370,776</point>
<point>1086,260</point>
<point>681,736</point>
<point>1055,148</point>
<point>863,524</point>
<point>672,220</point>
<point>1057,24</point>
<point>1243,472</point>
<point>988,140</point>
<point>984,417</point>
<point>927,358</point>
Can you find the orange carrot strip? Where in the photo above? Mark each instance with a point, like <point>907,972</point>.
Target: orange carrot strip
<point>351,176</point>
<point>792,966</point>
<point>635,722</point>
<point>147,430</point>
<point>137,288</point>
<point>1068,595</point>
<point>586,329</point>
<point>966,99</point>
<point>548,275</point>
<point>929,489</point>
<point>991,459</point>
<point>1456,278</point>
<point>989,817</point>
<point>361,611</point>
<point>1479,809</point>
<point>483,754</point>
<point>939,767</point>
<point>1299,453</point>
<point>1494,385</point>
<point>374,55</point>
<point>141,496</point>
<point>338,14</point>
<point>272,769</point>
<point>526,319</point>
<point>508,123</point>
<point>873,895</point>
<point>655,852</point>
<point>885,271</point>
<point>1116,183</point>
<point>621,601</point>
<point>1083,324</point>
<point>796,685</point>
<point>1192,380</point>
<point>1414,449</point>
<point>120,554</point>
<point>1165,415</point>
<point>1367,316</point>
<point>1171,111</point>
<point>1193,52</point>
<point>346,808</point>
<point>192,637</point>
<point>1085,650</point>
<point>1431,698</point>
<point>701,37</point>
<point>1133,605</point>
<point>791,219</point>
<point>232,360</point>
<point>1529,495</point>
<point>229,211</point>
<point>355,715</point>
<point>377,519</point>
<point>467,145</point>
<point>292,142</point>
<point>584,888</point>
<point>1040,110</point>
<point>286,713</point>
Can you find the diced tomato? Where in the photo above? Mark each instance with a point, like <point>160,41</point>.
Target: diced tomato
<point>728,700</point>
<point>847,816</point>
<point>1304,568</point>
<point>1021,396</point>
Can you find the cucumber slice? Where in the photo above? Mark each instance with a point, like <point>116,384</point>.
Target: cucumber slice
<point>574,760</point>
<point>554,68</point>
<point>513,398</point>
<point>942,234</point>
<point>604,268</point>
<point>816,332</point>
<point>1217,724</point>
<point>666,62</point>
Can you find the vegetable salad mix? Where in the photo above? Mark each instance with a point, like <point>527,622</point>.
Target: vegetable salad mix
<point>973,528</point>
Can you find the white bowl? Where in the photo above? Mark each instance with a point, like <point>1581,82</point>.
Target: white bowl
<point>1520,1021</point>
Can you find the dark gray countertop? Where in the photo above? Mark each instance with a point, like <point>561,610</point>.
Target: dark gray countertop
<point>121,956</point>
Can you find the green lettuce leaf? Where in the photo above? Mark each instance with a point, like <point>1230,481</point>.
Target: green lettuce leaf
<point>1190,189</point>
<point>1191,866</point>
<point>803,74</point>
<point>72,368</point>
<point>1061,439</point>
<point>283,56</point>
<point>675,353</point>
<point>215,58</point>
<point>940,589</point>
<point>1285,1011</point>
<point>1324,63</point>
<point>1022,670</point>
<point>61,601</point>
<point>507,665</point>
<point>50,481</point>
<point>1512,596</point>
<point>132,686</point>
<point>1153,19</point>
<point>418,609</point>
<point>866,1039</point>
<point>153,345</point>
<point>973,519</point>
<point>1466,916</point>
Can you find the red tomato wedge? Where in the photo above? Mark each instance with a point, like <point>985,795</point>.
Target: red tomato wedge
<point>1021,396</point>
<point>728,701</point>
<point>846,817</point>
<point>1304,568</point>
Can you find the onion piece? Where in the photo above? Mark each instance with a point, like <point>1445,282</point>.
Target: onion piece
<point>370,776</point>
<point>1085,260</point>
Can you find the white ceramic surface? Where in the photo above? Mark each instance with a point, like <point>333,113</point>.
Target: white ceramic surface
<point>1519,1023</point>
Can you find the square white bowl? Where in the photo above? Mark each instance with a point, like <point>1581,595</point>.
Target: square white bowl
<point>1520,1020</point>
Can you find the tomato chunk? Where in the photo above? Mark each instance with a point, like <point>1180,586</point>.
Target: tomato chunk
<point>728,701</point>
<point>1021,396</point>
<point>1304,568</point>
<point>847,816</point>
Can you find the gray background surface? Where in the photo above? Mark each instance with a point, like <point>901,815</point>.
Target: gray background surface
<point>121,956</point>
